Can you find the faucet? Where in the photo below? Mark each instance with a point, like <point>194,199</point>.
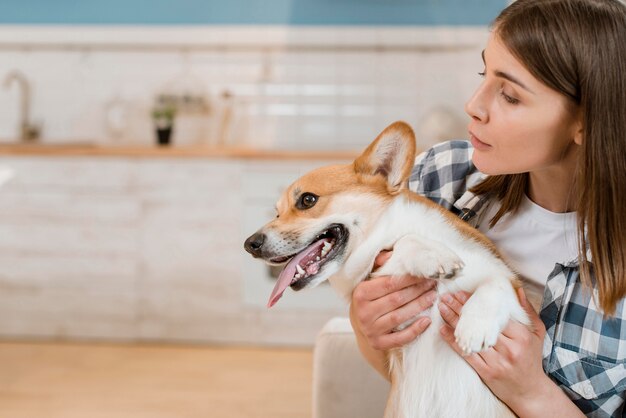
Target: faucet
<point>28,130</point>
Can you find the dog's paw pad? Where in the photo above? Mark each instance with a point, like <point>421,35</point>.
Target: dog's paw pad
<point>435,262</point>
<point>447,269</point>
<point>474,334</point>
<point>438,265</point>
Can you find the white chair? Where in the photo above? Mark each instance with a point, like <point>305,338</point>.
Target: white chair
<point>344,385</point>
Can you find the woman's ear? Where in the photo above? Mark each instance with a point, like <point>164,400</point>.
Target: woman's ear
<point>578,129</point>
<point>578,136</point>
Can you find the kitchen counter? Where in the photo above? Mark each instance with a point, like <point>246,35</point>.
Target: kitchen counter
<point>142,151</point>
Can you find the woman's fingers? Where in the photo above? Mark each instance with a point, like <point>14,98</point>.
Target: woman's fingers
<point>400,297</point>
<point>383,303</point>
<point>476,361</point>
<point>382,258</point>
<point>399,315</point>
<point>378,287</point>
<point>514,329</point>
<point>537,324</point>
<point>400,338</point>
<point>450,307</point>
<point>482,361</point>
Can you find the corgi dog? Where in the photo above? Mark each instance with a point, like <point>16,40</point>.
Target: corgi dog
<point>332,223</point>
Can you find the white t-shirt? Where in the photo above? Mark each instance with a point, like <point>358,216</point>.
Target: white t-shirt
<point>533,241</point>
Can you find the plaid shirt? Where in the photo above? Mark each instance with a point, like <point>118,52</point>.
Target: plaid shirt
<point>583,352</point>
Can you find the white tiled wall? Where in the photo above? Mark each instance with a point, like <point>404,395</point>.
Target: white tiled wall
<point>304,88</point>
<point>138,249</point>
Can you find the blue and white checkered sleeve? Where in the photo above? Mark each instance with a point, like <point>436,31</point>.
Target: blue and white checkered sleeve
<point>441,172</point>
<point>584,350</point>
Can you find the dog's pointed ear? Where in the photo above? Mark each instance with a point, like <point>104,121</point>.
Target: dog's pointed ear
<point>391,155</point>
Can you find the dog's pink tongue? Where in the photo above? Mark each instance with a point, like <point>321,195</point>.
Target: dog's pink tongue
<point>286,276</point>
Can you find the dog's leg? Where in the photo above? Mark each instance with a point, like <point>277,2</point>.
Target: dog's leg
<point>485,315</point>
<point>417,257</point>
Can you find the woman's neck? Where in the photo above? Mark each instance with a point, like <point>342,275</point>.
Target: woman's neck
<point>553,188</point>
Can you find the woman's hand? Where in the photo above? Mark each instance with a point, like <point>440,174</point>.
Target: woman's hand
<point>381,304</point>
<point>512,368</point>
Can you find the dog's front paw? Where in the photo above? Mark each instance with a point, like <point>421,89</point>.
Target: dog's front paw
<point>476,333</point>
<point>440,263</point>
<point>416,257</point>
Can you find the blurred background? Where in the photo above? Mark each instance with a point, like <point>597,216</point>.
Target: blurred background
<point>142,141</point>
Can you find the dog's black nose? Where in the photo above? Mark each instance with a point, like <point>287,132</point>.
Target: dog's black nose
<point>254,243</point>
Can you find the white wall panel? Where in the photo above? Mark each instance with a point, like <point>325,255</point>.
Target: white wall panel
<point>146,249</point>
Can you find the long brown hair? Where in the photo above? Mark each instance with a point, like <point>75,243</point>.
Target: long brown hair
<point>578,48</point>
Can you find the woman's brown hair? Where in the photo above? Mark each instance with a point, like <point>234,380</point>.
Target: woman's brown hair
<point>578,48</point>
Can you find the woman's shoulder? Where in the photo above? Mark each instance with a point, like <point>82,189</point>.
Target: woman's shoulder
<point>445,171</point>
<point>457,150</point>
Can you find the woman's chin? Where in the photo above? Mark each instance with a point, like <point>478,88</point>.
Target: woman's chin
<point>482,165</point>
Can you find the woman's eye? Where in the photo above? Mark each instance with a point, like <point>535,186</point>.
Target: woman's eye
<point>307,201</point>
<point>482,74</point>
<point>509,99</point>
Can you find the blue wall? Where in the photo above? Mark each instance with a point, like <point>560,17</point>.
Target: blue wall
<point>294,12</point>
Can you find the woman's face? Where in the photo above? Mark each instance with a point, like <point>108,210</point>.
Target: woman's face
<point>518,124</point>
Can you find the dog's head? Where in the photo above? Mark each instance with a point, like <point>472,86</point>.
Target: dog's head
<point>323,216</point>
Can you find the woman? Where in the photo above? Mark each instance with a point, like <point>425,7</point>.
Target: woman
<point>545,179</point>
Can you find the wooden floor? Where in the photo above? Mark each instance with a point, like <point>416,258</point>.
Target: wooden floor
<point>118,381</point>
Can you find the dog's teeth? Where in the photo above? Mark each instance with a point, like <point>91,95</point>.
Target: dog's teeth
<point>300,270</point>
<point>326,249</point>
<point>317,258</point>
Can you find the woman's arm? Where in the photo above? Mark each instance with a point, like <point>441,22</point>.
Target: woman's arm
<point>512,367</point>
<point>380,305</point>
<point>549,401</point>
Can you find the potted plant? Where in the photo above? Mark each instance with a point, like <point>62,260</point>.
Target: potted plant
<point>163,116</point>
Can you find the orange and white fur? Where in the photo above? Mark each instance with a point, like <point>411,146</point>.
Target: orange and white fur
<point>331,224</point>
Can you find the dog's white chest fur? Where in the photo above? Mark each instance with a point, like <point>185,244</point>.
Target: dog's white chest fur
<point>429,378</point>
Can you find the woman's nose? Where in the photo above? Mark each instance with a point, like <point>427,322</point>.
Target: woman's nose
<point>475,107</point>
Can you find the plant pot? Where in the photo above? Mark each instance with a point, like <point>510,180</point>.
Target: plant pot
<point>164,135</point>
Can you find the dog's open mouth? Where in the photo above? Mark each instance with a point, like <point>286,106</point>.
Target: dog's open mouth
<point>303,266</point>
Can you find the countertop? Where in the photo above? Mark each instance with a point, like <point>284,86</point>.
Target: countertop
<point>139,151</point>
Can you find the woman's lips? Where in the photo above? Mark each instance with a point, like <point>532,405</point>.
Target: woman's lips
<point>477,143</point>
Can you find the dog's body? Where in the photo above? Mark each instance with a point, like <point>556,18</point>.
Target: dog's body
<point>333,222</point>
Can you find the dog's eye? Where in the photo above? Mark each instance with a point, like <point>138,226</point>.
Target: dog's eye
<point>306,201</point>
